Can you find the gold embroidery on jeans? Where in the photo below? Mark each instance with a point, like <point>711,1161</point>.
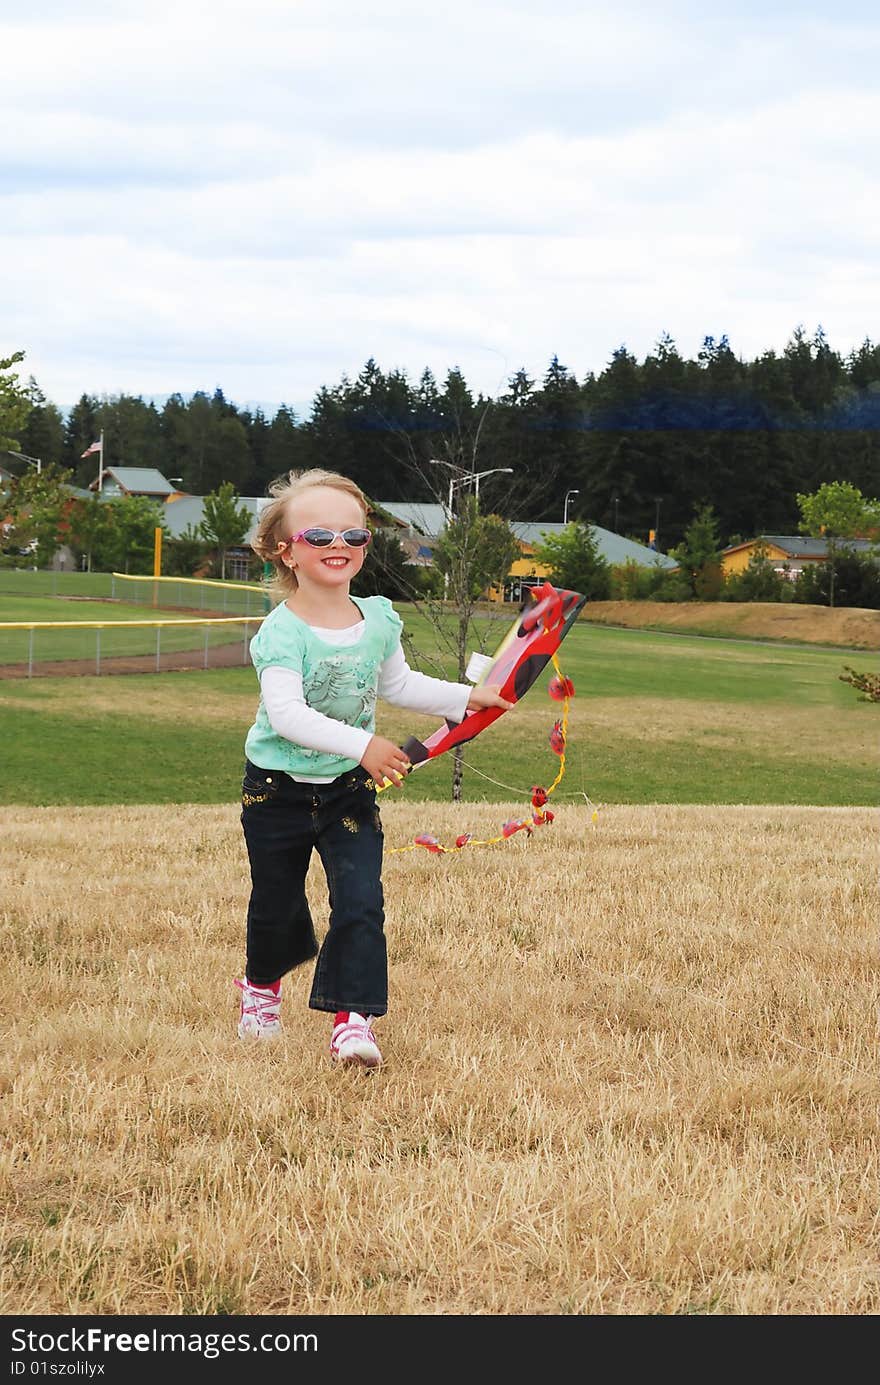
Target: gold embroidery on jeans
<point>249,799</point>
<point>350,824</point>
<point>369,783</point>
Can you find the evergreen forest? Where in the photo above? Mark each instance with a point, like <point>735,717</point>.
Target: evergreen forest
<point>640,446</point>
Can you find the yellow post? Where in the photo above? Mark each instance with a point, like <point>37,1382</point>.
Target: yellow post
<point>157,561</point>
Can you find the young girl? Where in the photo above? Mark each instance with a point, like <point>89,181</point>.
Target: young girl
<point>313,761</point>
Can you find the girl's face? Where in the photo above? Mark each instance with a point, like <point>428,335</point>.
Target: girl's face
<point>323,569</point>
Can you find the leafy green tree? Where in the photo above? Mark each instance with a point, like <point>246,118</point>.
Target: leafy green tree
<point>499,547</point>
<point>88,521</point>
<point>855,578</point>
<point>185,553</point>
<point>468,556</point>
<point>224,523</point>
<point>14,402</point>
<point>836,512</point>
<point>574,561</point>
<point>385,571</point>
<point>473,552</point>
<point>126,534</point>
<point>626,581</point>
<point>759,582</point>
<point>36,506</point>
<point>699,555</point>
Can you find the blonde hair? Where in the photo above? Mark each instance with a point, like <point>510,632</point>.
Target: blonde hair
<point>270,540</point>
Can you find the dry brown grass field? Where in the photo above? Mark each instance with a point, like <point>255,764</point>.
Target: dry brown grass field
<point>631,1068</point>
<point>849,626</point>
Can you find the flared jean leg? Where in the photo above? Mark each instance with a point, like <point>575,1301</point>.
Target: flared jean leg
<point>280,931</point>
<point>352,968</point>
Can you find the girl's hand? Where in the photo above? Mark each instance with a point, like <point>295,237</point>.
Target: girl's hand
<point>384,760</point>
<point>487,697</point>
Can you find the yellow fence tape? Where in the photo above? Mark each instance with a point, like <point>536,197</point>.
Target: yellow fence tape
<point>196,582</point>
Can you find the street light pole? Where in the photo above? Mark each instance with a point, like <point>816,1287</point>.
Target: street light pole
<point>23,457</point>
<point>565,507</point>
<point>463,477</point>
<point>478,474</point>
<point>439,461</point>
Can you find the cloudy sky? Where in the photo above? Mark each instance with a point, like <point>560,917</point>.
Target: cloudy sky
<point>261,196</point>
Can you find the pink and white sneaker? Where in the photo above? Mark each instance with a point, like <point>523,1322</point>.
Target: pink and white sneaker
<point>355,1042</point>
<point>260,1013</point>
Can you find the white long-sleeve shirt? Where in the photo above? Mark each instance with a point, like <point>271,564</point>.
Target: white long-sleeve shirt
<point>290,715</point>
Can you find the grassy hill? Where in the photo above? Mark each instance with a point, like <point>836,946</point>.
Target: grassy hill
<point>850,627</point>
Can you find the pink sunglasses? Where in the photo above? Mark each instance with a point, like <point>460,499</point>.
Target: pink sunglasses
<point>323,538</point>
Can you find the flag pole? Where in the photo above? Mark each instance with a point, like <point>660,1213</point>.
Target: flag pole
<point>101,462</point>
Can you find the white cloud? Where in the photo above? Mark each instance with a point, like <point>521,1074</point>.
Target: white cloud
<point>190,200</point>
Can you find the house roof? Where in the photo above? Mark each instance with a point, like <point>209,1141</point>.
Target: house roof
<point>136,480</point>
<point>799,546</point>
<point>418,514</point>
<point>613,547</point>
<point>189,510</point>
<point>424,520</point>
<point>431,520</point>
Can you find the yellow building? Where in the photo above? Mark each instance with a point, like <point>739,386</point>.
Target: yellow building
<point>789,553</point>
<point>524,572</point>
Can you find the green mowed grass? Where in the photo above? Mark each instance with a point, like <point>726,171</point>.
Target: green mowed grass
<point>206,595</point>
<point>27,582</point>
<point>78,639</point>
<point>53,608</point>
<point>656,719</point>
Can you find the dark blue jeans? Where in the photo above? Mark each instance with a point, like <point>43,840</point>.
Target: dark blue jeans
<point>282,822</point>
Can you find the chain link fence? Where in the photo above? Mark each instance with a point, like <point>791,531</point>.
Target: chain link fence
<point>31,648</point>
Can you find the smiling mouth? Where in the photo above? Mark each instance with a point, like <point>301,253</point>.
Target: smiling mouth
<point>340,561</point>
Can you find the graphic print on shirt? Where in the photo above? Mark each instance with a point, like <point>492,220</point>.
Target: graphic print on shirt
<point>342,686</point>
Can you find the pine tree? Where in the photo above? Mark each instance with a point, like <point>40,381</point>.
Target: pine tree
<point>699,555</point>
<point>43,433</point>
<point>80,431</point>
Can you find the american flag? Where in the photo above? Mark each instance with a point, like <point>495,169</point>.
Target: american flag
<point>95,447</point>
